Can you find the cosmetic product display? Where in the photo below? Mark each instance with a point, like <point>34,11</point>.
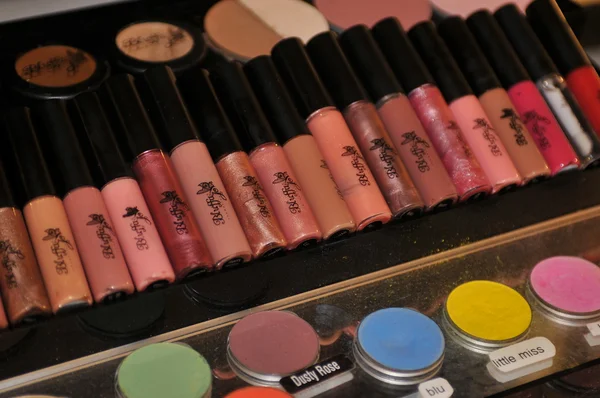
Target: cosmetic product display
<point>199,178</point>
<point>334,139</point>
<point>374,142</point>
<point>523,93</point>
<point>551,84</point>
<point>46,218</point>
<point>143,44</point>
<point>494,100</point>
<point>253,209</point>
<point>159,183</point>
<point>406,131</point>
<point>470,116</point>
<point>132,222</point>
<point>300,147</point>
<point>550,25</point>
<point>433,111</point>
<point>275,175</point>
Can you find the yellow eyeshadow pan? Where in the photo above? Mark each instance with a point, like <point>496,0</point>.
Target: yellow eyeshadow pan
<point>488,311</point>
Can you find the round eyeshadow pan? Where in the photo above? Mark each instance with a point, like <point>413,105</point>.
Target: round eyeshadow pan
<point>164,370</point>
<point>258,392</point>
<point>268,345</point>
<point>488,311</point>
<point>567,284</point>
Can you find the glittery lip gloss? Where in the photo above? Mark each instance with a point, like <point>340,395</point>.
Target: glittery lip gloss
<point>275,174</point>
<point>406,131</point>
<point>432,110</point>
<point>493,98</point>
<point>322,194</point>
<point>199,178</point>
<point>134,226</point>
<point>367,128</point>
<point>92,225</point>
<point>334,139</point>
<point>551,84</point>
<point>529,103</point>
<point>253,209</point>
<point>469,115</point>
<point>163,193</point>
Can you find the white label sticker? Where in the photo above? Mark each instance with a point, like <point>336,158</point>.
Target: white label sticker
<point>438,388</point>
<point>594,328</point>
<point>522,354</point>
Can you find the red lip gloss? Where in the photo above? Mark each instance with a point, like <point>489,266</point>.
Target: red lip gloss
<point>529,103</point>
<point>432,110</point>
<point>161,188</point>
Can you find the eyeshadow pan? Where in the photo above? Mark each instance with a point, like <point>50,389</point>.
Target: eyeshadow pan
<point>258,392</point>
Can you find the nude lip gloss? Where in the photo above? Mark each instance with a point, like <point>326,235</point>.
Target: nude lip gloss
<point>406,131</point>
<point>550,25</point>
<point>432,110</point>
<point>323,196</point>
<point>46,219</point>
<point>529,103</point>
<point>494,99</point>
<point>275,174</point>
<point>253,209</point>
<point>334,139</point>
<point>21,284</point>
<point>88,216</point>
<point>470,116</point>
<point>158,181</point>
<point>131,219</point>
<point>197,173</point>
<point>551,84</point>
<point>367,128</point>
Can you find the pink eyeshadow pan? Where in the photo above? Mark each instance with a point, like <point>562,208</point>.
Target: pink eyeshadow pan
<point>569,284</point>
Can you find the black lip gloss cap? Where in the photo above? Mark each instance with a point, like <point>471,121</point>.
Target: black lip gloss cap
<point>404,60</point>
<point>31,165</point>
<point>438,58</point>
<point>165,107</point>
<point>276,101</point>
<point>57,135</point>
<point>369,63</point>
<point>98,131</point>
<point>497,48</point>
<point>241,105</point>
<point>206,110</point>
<point>132,116</point>
<point>525,42</point>
<point>6,196</point>
<point>300,77</point>
<point>468,55</point>
<point>335,71</point>
<point>550,25</point>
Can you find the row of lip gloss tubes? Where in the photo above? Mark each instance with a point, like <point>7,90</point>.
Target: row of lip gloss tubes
<point>188,188</point>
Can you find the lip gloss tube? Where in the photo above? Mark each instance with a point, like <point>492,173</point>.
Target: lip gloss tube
<point>197,173</point>
<point>494,99</point>
<point>334,139</point>
<point>406,131</point>
<point>529,103</point>
<point>365,124</point>
<point>433,112</point>
<point>275,173</point>
<point>470,116</point>
<point>21,283</point>
<point>323,196</point>
<point>133,224</point>
<point>550,25</point>
<point>46,219</point>
<point>253,209</point>
<point>161,188</point>
<point>92,226</point>
<point>551,84</point>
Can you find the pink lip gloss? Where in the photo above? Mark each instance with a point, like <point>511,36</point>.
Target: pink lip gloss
<point>470,116</point>
<point>275,174</point>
